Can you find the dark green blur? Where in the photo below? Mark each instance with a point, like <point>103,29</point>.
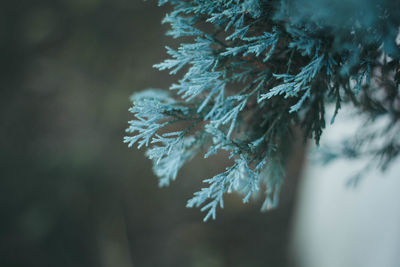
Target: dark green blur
<point>71,193</point>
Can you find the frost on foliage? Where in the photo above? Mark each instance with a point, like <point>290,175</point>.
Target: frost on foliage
<point>239,177</point>
<point>172,151</point>
<point>250,71</point>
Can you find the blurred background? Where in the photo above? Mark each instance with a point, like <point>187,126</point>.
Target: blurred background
<point>71,193</point>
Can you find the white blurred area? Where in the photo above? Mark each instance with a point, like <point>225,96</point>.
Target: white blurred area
<point>341,226</point>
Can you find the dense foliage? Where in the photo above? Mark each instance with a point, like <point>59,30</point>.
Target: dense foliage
<point>256,71</point>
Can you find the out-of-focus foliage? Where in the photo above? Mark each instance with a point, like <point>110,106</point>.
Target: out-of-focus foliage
<point>253,71</point>
<point>71,193</point>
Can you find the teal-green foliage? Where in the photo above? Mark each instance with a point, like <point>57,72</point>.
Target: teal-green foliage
<point>253,71</point>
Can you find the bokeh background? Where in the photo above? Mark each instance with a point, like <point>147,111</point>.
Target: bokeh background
<point>71,193</point>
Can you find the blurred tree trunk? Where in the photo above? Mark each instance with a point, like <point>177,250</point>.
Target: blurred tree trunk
<point>337,225</point>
